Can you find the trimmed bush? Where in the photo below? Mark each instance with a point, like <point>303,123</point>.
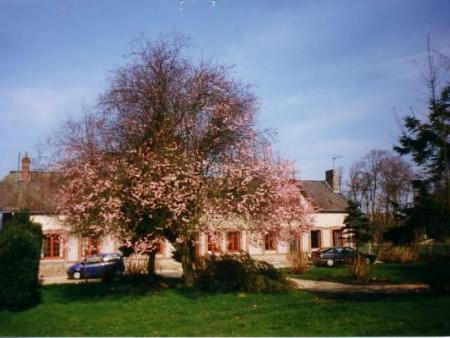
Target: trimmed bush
<point>240,273</point>
<point>437,271</point>
<point>360,270</point>
<point>20,250</point>
<point>429,250</point>
<point>300,261</point>
<point>399,254</point>
<point>136,264</point>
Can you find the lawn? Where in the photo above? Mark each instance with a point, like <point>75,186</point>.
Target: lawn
<point>126,310</point>
<point>390,273</point>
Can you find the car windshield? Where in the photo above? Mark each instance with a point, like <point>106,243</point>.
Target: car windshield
<point>111,257</point>
<point>93,259</point>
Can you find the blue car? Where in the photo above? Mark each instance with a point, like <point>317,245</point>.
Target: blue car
<point>107,265</point>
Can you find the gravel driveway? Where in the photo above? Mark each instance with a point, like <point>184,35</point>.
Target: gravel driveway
<point>331,287</point>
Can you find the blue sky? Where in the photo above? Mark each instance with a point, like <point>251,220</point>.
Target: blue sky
<point>329,74</point>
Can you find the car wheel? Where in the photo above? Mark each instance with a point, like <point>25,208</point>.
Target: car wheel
<point>77,275</point>
<point>330,262</point>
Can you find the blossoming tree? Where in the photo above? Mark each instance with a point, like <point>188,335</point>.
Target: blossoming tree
<point>173,150</point>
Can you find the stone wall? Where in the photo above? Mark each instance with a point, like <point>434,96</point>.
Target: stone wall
<point>52,268</point>
<point>138,264</point>
<point>277,260</point>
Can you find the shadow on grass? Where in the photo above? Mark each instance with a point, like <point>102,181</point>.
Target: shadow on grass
<point>367,297</point>
<point>135,286</point>
<point>389,273</point>
<point>128,286</point>
<point>93,292</point>
<point>22,307</point>
<point>400,273</point>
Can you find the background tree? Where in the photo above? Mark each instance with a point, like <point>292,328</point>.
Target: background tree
<point>357,226</point>
<point>379,180</point>
<point>381,183</point>
<point>427,141</point>
<point>173,150</point>
<point>358,231</point>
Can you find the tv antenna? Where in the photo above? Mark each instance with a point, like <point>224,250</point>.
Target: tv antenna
<point>335,158</point>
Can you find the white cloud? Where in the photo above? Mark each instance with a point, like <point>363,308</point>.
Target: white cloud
<point>42,106</point>
<point>316,125</point>
<point>28,116</point>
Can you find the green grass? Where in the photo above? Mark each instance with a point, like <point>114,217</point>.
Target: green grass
<point>390,273</point>
<point>126,310</point>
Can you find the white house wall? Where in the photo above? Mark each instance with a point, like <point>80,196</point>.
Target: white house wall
<point>329,219</point>
<point>72,248</point>
<point>326,223</point>
<point>49,223</point>
<point>108,244</point>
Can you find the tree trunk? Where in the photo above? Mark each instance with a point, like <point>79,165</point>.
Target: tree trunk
<point>187,262</point>
<point>151,264</point>
<point>447,175</point>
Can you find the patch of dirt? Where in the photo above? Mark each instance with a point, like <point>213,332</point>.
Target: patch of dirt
<point>383,288</point>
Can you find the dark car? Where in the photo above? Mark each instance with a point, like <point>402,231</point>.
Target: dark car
<point>105,265</point>
<point>338,255</point>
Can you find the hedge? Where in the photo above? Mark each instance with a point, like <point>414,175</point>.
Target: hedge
<point>20,250</point>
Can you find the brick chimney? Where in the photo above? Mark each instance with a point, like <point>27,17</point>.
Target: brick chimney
<point>25,170</point>
<point>332,178</point>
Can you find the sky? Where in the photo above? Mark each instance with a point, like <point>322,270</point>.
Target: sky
<point>331,76</point>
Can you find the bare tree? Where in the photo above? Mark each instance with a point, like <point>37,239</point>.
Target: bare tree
<point>378,180</point>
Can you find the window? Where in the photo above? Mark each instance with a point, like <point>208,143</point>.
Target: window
<point>315,239</point>
<point>90,246</point>
<point>270,241</point>
<point>350,251</point>
<point>52,246</point>
<point>214,242</point>
<point>337,238</point>
<point>234,241</point>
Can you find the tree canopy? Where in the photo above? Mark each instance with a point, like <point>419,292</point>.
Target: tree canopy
<point>427,141</point>
<point>357,226</point>
<point>173,149</point>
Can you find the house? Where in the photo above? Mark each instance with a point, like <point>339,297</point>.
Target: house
<point>36,191</point>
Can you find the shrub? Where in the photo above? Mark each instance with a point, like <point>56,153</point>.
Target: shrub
<point>437,271</point>
<point>300,261</point>
<point>240,273</point>
<point>136,264</point>
<point>20,248</point>
<point>360,270</point>
<point>399,254</point>
<point>433,249</point>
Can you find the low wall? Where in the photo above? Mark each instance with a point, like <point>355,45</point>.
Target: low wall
<point>52,268</point>
<point>138,264</point>
<point>277,260</point>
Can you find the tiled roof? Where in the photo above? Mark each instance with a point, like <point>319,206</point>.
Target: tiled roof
<point>37,195</point>
<point>324,197</point>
